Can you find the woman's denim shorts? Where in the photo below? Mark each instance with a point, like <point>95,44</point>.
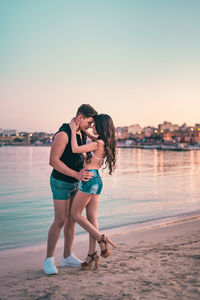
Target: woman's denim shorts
<point>92,186</point>
<point>63,190</point>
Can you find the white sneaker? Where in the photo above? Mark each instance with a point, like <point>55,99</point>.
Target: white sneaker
<point>70,261</point>
<point>49,266</point>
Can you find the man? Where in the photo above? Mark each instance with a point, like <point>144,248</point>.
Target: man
<point>68,171</point>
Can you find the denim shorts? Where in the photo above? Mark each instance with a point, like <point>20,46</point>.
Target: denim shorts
<point>63,190</point>
<point>92,186</point>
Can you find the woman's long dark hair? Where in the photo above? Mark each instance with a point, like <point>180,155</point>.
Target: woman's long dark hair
<point>106,132</point>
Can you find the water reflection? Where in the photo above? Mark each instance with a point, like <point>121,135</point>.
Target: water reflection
<point>147,184</point>
<point>155,161</point>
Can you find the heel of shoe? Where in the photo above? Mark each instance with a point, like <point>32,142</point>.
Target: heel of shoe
<point>104,240</point>
<point>111,243</point>
<point>96,263</point>
<point>105,253</point>
<point>86,266</point>
<point>94,258</point>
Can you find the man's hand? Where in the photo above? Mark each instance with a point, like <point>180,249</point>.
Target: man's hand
<point>85,175</point>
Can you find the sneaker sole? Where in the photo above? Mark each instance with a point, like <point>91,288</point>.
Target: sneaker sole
<point>70,265</point>
<point>50,273</point>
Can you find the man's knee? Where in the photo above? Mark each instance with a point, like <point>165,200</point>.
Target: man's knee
<point>70,222</point>
<point>60,222</point>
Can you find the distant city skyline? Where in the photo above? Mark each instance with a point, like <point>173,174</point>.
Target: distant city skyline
<point>137,61</point>
<point>122,126</point>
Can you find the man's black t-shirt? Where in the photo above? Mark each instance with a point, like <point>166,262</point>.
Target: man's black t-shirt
<point>74,161</point>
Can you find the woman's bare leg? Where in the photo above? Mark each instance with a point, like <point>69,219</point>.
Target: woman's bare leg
<point>91,213</point>
<point>79,203</point>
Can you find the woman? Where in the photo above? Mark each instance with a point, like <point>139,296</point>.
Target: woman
<point>103,148</point>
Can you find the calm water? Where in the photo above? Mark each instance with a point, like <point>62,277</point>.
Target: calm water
<point>148,185</point>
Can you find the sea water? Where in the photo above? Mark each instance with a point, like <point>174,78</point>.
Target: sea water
<point>147,185</point>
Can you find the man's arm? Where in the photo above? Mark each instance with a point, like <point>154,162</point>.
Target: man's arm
<point>57,149</point>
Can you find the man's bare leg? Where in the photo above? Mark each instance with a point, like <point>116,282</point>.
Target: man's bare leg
<point>69,232</point>
<point>69,259</point>
<point>61,208</point>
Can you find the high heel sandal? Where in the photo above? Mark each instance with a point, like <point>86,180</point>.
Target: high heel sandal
<point>88,265</point>
<point>105,240</point>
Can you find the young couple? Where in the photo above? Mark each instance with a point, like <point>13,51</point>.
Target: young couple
<point>76,184</point>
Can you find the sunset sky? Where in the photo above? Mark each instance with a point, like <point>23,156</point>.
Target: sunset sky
<point>137,60</point>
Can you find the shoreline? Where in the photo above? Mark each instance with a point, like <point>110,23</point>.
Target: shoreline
<point>148,263</point>
<point>161,147</point>
<point>135,226</point>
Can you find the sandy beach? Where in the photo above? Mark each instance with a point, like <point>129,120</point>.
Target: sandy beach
<point>162,262</point>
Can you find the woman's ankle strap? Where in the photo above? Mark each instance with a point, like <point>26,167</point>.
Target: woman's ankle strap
<point>103,239</point>
<point>93,254</point>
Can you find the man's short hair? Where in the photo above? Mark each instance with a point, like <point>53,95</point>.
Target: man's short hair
<point>87,111</point>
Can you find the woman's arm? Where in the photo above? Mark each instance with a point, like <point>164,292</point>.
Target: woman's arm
<point>81,149</point>
<point>75,147</point>
<point>90,135</point>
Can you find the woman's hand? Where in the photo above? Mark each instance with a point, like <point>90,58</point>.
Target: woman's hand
<point>73,125</point>
<point>90,135</point>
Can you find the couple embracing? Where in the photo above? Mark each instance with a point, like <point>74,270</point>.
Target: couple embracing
<point>76,184</point>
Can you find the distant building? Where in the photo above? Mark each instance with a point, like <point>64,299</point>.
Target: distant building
<point>8,132</point>
<point>134,128</point>
<point>167,137</point>
<point>183,127</point>
<point>197,137</point>
<point>197,133</point>
<point>168,126</point>
<point>122,132</point>
<point>148,131</point>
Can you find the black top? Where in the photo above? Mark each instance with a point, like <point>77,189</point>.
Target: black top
<point>74,161</point>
